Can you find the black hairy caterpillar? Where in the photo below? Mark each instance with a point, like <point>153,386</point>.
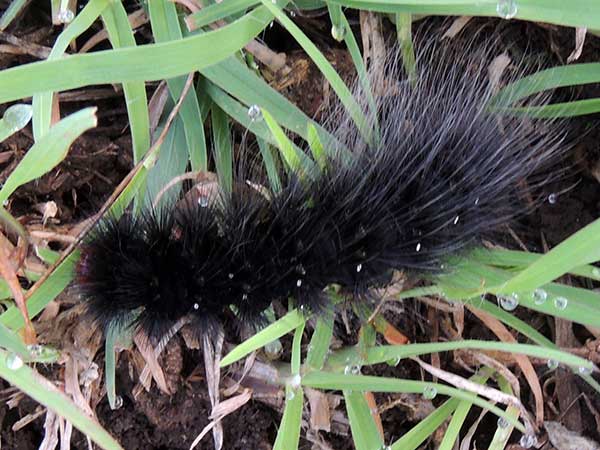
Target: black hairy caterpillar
<point>443,173</point>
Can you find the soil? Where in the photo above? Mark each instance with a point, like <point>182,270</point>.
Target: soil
<point>98,161</point>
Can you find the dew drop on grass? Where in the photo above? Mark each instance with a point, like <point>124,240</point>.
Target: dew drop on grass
<point>66,16</point>
<point>584,370</point>
<point>254,113</point>
<point>290,395</point>
<point>352,369</point>
<point>561,303</point>
<point>203,201</point>
<point>502,422</point>
<point>596,272</point>
<point>539,296</point>
<point>506,9</point>
<point>118,402</point>
<point>17,116</point>
<point>509,302</point>
<point>338,32</point>
<point>295,381</point>
<point>429,393</point>
<point>552,198</point>
<point>552,364</point>
<point>14,361</point>
<point>528,440</point>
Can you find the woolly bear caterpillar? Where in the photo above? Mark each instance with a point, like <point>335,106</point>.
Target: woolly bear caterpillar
<point>442,174</point>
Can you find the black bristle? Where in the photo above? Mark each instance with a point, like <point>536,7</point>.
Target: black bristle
<point>444,174</point>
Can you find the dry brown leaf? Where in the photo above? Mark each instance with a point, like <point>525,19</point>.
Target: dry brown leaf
<point>152,364</point>
<point>320,414</point>
<point>523,361</point>
<point>579,41</point>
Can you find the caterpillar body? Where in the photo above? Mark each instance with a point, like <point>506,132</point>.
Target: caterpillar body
<point>444,172</point>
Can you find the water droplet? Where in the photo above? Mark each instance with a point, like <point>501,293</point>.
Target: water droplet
<point>509,302</point>
<point>528,440</point>
<point>292,13</point>
<point>552,198</point>
<point>295,381</point>
<point>596,272</point>
<point>539,296</point>
<point>35,350</point>
<point>338,32</point>
<point>502,422</point>
<point>418,247</point>
<point>271,25</point>
<point>584,370</point>
<point>118,402</point>
<point>429,393</point>
<point>477,201</point>
<point>455,220</point>
<point>300,269</point>
<point>290,395</point>
<point>561,303</point>
<point>196,306</point>
<point>359,267</point>
<point>352,369</point>
<point>506,9</point>
<point>254,113</point>
<point>302,308</point>
<point>230,275</point>
<point>552,364</point>
<point>386,447</point>
<point>17,116</point>
<point>298,282</point>
<point>14,361</point>
<point>203,201</point>
<point>274,2</point>
<point>65,16</point>
<point>244,296</point>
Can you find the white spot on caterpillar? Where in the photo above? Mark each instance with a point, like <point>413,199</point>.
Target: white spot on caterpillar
<point>299,282</point>
<point>203,201</point>
<point>455,220</point>
<point>230,276</point>
<point>552,198</point>
<point>418,247</point>
<point>196,306</point>
<point>477,201</point>
<point>359,267</point>
<point>244,296</point>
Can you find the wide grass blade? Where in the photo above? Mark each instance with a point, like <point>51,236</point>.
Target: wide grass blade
<point>44,392</point>
<point>49,151</point>
<point>142,63</point>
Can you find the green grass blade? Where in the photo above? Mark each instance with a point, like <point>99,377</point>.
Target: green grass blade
<point>165,27</point>
<point>222,148</point>
<point>12,342</point>
<point>12,12</point>
<point>142,63</point>
<point>46,153</point>
<point>217,11</point>
<point>325,67</point>
<point>44,392</point>
<point>120,35</point>
<point>270,165</point>
<point>287,323</point>
<point>580,13</point>
<point>288,153</point>
<point>319,343</point>
<point>297,349</point>
<point>42,102</point>
<point>336,381</point>
<point>404,32</point>
<point>383,353</point>
<point>365,434</point>
<point>458,419</point>
<point>426,427</point>
<point>581,248</point>
<point>288,435</point>
<point>15,118</point>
